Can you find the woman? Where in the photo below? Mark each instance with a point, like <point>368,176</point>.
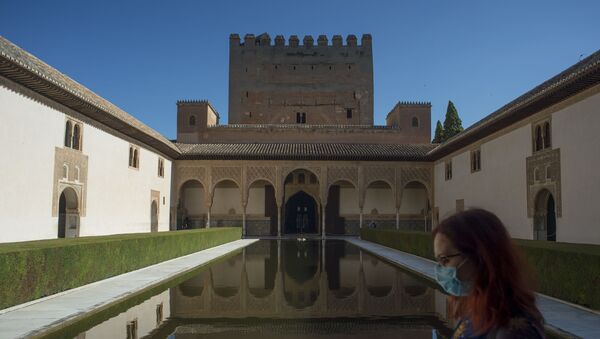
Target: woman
<point>486,277</point>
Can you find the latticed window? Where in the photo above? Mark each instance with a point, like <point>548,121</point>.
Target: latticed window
<point>73,135</point>
<point>134,157</point>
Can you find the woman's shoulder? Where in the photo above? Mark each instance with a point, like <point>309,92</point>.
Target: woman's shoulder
<point>520,327</point>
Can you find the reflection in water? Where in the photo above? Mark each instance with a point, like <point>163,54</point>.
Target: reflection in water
<point>275,280</point>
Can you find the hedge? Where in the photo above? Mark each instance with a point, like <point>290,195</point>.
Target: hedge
<point>34,269</point>
<point>565,271</point>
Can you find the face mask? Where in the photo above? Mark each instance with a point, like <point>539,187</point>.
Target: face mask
<point>446,277</point>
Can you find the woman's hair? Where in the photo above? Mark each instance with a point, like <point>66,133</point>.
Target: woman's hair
<point>503,284</point>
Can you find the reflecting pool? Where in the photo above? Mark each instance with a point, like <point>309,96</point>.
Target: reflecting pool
<point>286,289</point>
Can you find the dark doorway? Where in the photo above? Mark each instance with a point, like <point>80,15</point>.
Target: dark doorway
<point>68,214</point>
<point>301,214</point>
<point>551,219</point>
<point>62,210</point>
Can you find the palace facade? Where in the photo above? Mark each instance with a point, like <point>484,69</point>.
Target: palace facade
<point>301,153</point>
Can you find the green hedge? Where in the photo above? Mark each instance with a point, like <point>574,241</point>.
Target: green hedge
<point>565,271</point>
<point>34,269</point>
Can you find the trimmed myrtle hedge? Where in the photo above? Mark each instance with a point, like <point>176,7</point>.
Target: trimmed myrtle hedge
<point>34,269</point>
<point>565,271</point>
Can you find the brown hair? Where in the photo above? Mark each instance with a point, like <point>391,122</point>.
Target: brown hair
<point>503,286</point>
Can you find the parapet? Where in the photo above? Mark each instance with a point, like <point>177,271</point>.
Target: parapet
<point>264,40</point>
<point>200,102</point>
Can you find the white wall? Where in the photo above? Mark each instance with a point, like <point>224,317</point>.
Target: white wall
<point>576,133</point>
<point>118,198</point>
<point>256,201</point>
<point>348,201</point>
<point>380,198</point>
<point>226,198</point>
<point>194,202</point>
<point>413,200</point>
<point>501,187</point>
<point>28,133</point>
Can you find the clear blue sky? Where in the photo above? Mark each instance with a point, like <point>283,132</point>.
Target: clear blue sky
<point>145,55</point>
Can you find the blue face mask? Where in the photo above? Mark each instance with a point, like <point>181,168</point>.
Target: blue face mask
<point>446,277</point>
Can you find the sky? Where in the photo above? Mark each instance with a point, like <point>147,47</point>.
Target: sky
<point>143,56</point>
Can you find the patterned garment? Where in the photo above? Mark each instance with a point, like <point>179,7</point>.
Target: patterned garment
<point>518,327</point>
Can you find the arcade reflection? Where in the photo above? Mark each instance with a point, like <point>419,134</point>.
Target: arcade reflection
<point>329,286</point>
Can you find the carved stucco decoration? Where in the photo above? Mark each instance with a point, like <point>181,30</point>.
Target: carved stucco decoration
<point>546,164</point>
<point>188,173</point>
<point>347,173</point>
<point>267,173</point>
<point>372,174</point>
<point>233,173</point>
<point>77,179</point>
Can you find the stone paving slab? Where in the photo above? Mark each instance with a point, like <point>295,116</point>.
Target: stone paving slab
<point>560,316</point>
<point>38,316</point>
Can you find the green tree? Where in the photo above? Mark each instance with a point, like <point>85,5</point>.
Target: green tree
<point>452,123</point>
<point>439,133</point>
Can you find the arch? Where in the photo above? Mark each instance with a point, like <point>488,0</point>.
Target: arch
<point>415,206</point>
<point>194,286</point>
<point>301,268</point>
<point>379,276</point>
<point>301,214</point>
<point>68,134</point>
<point>68,214</point>
<point>415,122</point>
<point>342,212</point>
<point>226,207</point>
<point>379,194</point>
<point>261,208</point>
<point>544,218</point>
<point>227,277</point>
<point>77,137</point>
<point>65,173</point>
<point>154,216</point>
<point>300,168</point>
<point>191,207</point>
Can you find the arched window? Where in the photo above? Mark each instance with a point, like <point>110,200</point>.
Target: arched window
<point>77,137</point>
<point>415,122</point>
<point>192,120</point>
<point>76,173</point>
<point>65,173</point>
<point>538,138</point>
<point>68,134</point>
<point>547,135</point>
<point>130,156</point>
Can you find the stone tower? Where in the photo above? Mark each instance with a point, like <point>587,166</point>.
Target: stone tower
<point>281,83</point>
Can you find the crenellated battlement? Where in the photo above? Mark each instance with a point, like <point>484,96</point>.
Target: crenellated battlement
<point>192,101</point>
<point>264,40</point>
<point>413,103</point>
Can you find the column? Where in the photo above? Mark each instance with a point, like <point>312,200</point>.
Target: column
<point>279,221</point>
<point>208,216</point>
<point>323,222</point>
<point>244,228</point>
<point>360,220</point>
<point>397,218</point>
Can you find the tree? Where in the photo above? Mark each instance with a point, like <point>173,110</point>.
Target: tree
<point>439,133</point>
<point>452,123</point>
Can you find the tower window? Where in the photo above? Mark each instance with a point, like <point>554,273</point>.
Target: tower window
<point>300,118</point>
<point>349,113</point>
<point>192,120</point>
<point>415,122</point>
